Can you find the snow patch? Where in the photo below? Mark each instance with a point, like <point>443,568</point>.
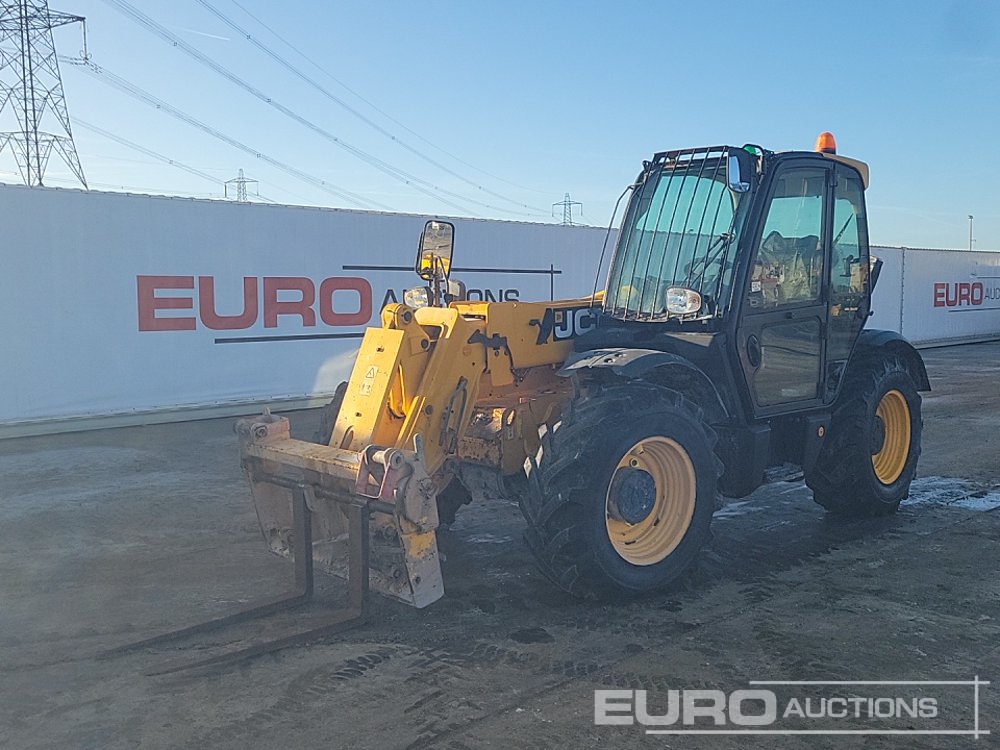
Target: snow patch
<point>952,493</point>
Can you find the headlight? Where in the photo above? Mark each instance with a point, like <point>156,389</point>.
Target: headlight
<point>681,301</point>
<point>419,296</point>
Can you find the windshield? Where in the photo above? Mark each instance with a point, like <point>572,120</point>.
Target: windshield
<point>677,232</point>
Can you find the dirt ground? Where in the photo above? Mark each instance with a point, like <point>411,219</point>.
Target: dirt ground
<point>114,535</point>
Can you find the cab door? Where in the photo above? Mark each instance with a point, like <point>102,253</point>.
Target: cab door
<point>781,336</point>
<point>850,282</point>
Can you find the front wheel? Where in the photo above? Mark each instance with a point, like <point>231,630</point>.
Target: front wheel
<point>621,491</point>
<point>870,455</point>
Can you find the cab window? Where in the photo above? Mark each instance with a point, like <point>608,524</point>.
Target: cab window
<point>789,264</point>
<point>848,269</point>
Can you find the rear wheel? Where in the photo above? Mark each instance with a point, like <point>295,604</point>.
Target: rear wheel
<point>870,455</point>
<point>622,490</point>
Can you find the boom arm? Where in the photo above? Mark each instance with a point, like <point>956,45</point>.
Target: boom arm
<point>404,425</point>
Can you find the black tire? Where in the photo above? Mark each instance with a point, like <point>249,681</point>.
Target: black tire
<point>565,505</point>
<point>329,416</point>
<point>844,479</point>
<point>449,500</point>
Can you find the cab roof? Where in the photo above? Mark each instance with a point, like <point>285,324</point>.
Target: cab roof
<point>860,166</point>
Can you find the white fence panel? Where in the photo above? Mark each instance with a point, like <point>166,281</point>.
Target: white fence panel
<point>117,304</point>
<point>951,296</point>
<point>141,306</point>
<point>887,298</point>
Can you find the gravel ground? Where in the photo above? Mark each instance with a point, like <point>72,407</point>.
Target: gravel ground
<point>114,535</point>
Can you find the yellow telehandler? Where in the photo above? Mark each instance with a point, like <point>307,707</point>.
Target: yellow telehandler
<point>730,339</point>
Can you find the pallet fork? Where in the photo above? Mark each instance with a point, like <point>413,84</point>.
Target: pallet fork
<point>315,504</point>
<point>352,615</point>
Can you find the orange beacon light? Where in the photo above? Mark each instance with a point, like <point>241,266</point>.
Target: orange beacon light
<point>825,143</point>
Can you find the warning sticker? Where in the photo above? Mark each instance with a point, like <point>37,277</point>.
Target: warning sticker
<point>369,380</point>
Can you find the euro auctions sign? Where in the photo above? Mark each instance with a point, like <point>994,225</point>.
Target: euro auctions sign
<point>125,305</point>
<point>336,301</point>
<point>964,294</point>
<point>809,707</point>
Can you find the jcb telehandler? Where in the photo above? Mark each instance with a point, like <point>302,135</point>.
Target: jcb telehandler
<point>730,338</point>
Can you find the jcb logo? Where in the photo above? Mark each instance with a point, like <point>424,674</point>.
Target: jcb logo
<point>564,323</point>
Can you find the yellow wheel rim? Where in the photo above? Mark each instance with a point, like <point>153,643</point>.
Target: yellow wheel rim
<point>650,501</point>
<point>890,460</point>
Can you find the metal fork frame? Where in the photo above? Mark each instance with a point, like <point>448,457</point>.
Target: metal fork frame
<point>352,615</point>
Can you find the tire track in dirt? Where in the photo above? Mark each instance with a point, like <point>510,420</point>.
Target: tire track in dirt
<point>451,671</point>
<point>302,692</point>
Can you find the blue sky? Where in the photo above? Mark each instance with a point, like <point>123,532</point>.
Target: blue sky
<point>538,99</point>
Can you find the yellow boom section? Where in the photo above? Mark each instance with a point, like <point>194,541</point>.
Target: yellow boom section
<point>430,389</point>
<point>425,369</point>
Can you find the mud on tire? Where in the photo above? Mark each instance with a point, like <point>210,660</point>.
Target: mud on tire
<point>844,479</point>
<point>567,503</point>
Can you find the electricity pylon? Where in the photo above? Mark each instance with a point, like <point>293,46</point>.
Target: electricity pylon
<point>31,90</point>
<point>567,209</point>
<point>240,183</point>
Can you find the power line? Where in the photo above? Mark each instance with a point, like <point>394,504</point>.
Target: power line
<point>127,159</point>
<point>151,191</point>
<point>337,100</point>
<point>382,112</point>
<point>416,183</point>
<point>147,151</point>
<point>136,92</point>
<point>31,84</point>
<point>139,189</point>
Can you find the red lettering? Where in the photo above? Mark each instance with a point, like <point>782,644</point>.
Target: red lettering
<point>977,295</point>
<point>149,303</point>
<point>206,305</point>
<point>301,307</point>
<point>274,287</point>
<point>964,292</point>
<point>940,290</point>
<point>949,299</point>
<point>345,284</point>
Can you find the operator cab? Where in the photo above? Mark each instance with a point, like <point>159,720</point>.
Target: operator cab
<point>767,251</point>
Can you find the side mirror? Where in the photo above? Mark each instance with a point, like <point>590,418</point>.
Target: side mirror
<point>849,262</point>
<point>875,265</point>
<point>434,253</point>
<point>740,171</point>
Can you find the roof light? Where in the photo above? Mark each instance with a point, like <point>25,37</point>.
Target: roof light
<point>825,143</point>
